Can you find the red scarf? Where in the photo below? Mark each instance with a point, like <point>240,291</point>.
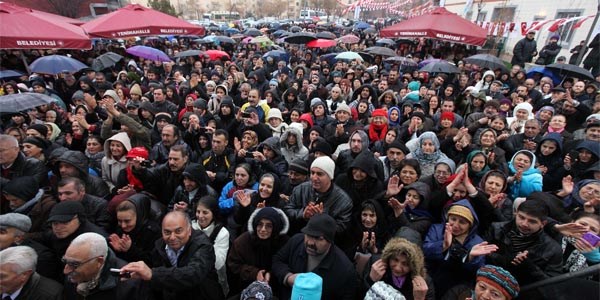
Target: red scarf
<point>377,132</point>
<point>137,184</point>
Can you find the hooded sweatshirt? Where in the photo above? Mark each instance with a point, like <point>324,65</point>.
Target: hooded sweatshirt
<point>111,167</point>
<point>291,152</point>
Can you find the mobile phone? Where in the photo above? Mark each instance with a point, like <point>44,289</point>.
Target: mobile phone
<point>246,115</point>
<point>591,238</point>
<point>117,272</point>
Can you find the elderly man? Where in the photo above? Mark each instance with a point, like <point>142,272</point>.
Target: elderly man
<point>19,280</point>
<point>15,164</point>
<point>314,250</point>
<point>528,140</point>
<point>183,263</point>
<point>88,263</point>
<point>73,189</point>
<point>319,195</point>
<point>262,110</point>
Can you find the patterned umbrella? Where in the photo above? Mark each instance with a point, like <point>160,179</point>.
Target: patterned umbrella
<point>23,101</point>
<point>349,39</point>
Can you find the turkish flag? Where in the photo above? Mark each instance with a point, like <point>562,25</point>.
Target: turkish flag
<point>523,28</point>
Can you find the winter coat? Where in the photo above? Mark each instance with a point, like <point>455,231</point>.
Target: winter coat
<point>23,166</point>
<point>194,277</point>
<point>523,52</point>
<point>95,210</point>
<point>223,165</point>
<point>110,166</point>
<point>38,209</point>
<point>291,152</point>
<point>160,181</point>
<point>336,203</point>
<point>544,258</point>
<point>338,273</point>
<point>40,288</point>
<point>452,266</point>
<point>361,191</point>
<point>548,54</point>
<point>593,57</point>
<point>160,153</point>
<point>532,180</point>
<point>278,165</point>
<point>59,246</point>
<point>249,254</point>
<point>553,177</point>
<point>93,185</point>
<point>329,133</point>
<point>418,219</point>
<point>227,200</point>
<point>482,84</point>
<point>144,234</point>
<point>110,286</point>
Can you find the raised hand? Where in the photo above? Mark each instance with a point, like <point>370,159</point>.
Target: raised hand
<point>520,258</point>
<point>243,198</point>
<point>394,187</point>
<point>261,204</point>
<point>497,200</point>
<point>396,206</point>
<point>420,288</point>
<point>482,248</point>
<point>447,237</point>
<point>377,270</point>
<point>571,229</point>
<point>567,184</point>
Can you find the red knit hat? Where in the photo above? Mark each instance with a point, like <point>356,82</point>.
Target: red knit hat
<point>380,112</point>
<point>447,115</point>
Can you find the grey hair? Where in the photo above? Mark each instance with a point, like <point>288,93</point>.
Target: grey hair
<point>23,258</point>
<point>6,138</point>
<point>96,242</point>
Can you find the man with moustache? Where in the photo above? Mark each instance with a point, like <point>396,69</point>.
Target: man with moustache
<point>313,250</point>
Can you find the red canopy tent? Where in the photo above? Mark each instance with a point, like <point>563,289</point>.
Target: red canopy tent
<point>438,24</point>
<point>137,20</point>
<point>54,17</point>
<point>23,28</point>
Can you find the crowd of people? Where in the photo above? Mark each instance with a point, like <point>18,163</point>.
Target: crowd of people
<point>257,177</point>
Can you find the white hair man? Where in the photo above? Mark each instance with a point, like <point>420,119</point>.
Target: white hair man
<point>18,279</point>
<point>88,261</point>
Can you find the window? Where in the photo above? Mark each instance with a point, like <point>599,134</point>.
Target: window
<point>566,30</point>
<point>503,14</point>
<point>481,16</point>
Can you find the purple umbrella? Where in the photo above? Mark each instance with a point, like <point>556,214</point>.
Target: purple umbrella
<point>428,61</point>
<point>148,53</point>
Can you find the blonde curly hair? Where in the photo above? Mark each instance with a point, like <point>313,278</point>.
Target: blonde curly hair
<point>398,246</point>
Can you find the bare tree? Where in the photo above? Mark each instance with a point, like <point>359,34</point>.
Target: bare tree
<point>67,8</point>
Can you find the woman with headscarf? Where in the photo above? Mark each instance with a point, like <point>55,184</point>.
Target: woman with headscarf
<point>477,166</point>
<point>521,113</point>
<point>369,232</point>
<point>380,147</point>
<point>587,153</point>
<point>491,203</point>
<point>428,153</point>
<point>543,115</point>
<point>524,178</point>
<point>268,195</point>
<point>251,254</point>
<point>360,181</point>
<point>401,266</point>
<point>550,160</point>
<point>411,210</point>
<point>494,155</point>
<point>244,181</point>
<point>394,117</point>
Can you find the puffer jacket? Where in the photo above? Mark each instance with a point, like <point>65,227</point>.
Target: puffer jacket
<point>110,166</point>
<point>336,203</point>
<point>291,152</point>
<point>194,277</point>
<point>93,185</point>
<point>532,180</point>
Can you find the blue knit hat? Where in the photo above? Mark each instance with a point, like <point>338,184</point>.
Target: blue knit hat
<point>500,279</point>
<point>307,286</point>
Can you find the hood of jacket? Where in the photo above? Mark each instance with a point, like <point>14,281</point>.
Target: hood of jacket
<point>422,189</point>
<point>364,138</point>
<point>121,137</point>
<point>373,93</point>
<point>466,204</point>
<point>293,131</point>
<point>273,144</point>
<point>556,155</point>
<point>416,260</point>
<point>197,173</point>
<point>142,204</point>
<point>531,169</point>
<point>292,91</point>
<point>574,196</point>
<point>489,73</point>
<point>74,158</point>
<point>365,162</point>
<point>284,222</point>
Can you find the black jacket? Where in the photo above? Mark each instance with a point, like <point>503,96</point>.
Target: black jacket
<point>160,181</point>
<point>194,277</point>
<point>95,210</point>
<point>24,166</point>
<point>338,273</point>
<point>41,288</point>
<point>523,51</point>
<point>93,185</point>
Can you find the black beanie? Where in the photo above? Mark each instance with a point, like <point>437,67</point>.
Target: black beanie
<point>38,141</point>
<point>24,188</point>
<point>42,129</point>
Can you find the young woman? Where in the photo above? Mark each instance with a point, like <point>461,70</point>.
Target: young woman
<point>394,117</point>
<point>495,156</point>
<point>411,210</point>
<point>402,266</point>
<point>550,161</point>
<point>207,212</point>
<point>243,182</point>
<point>36,147</point>
<point>360,182</point>
<point>491,203</point>
<point>136,231</point>
<point>380,147</point>
<point>524,178</point>
<point>587,153</point>
<point>115,160</point>
<point>251,254</point>
<point>95,152</point>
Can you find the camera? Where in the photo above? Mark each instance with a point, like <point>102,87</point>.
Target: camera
<point>246,115</point>
<point>146,164</point>
<point>574,154</point>
<point>250,154</point>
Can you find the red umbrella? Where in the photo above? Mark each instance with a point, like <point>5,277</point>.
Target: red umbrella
<point>22,28</point>
<point>321,43</point>
<point>57,17</point>
<point>438,24</point>
<point>137,20</point>
<point>216,54</point>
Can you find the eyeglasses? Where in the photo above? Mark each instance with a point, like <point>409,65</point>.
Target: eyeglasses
<point>75,264</point>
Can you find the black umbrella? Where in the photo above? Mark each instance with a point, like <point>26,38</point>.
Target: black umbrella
<point>568,70</point>
<point>24,101</point>
<point>326,35</point>
<point>252,32</point>
<point>486,61</point>
<point>383,51</point>
<point>300,38</point>
<point>188,53</point>
<point>106,60</point>
<point>441,66</point>
<point>370,30</point>
<point>295,29</point>
<point>214,28</point>
<point>388,42</point>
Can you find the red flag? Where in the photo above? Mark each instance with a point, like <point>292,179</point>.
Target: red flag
<point>578,24</point>
<point>523,28</point>
<point>512,26</point>
<point>556,25</point>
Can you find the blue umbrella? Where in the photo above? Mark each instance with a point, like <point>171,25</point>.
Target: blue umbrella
<point>277,55</point>
<point>329,58</point>
<point>10,73</point>
<point>55,64</point>
<point>362,25</point>
<point>148,53</point>
<point>232,31</point>
<point>544,72</point>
